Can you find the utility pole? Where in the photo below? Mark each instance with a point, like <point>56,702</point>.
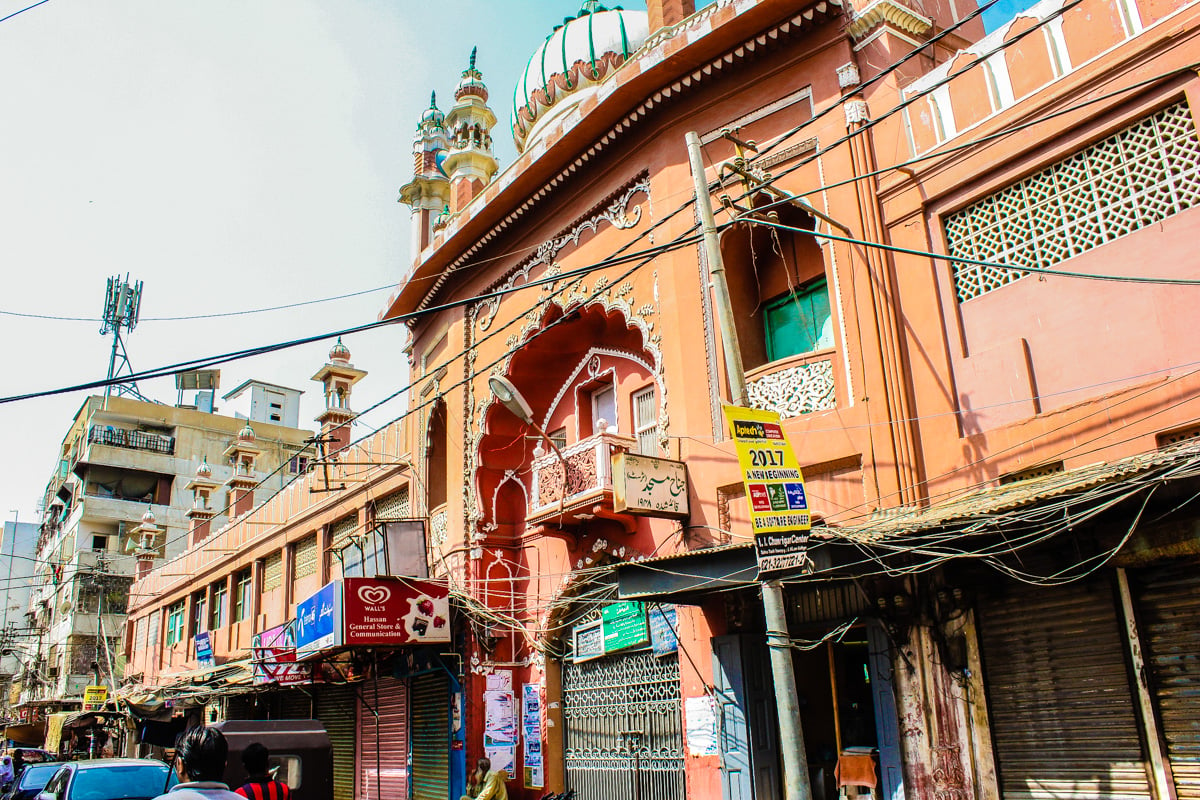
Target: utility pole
<point>796,783</point>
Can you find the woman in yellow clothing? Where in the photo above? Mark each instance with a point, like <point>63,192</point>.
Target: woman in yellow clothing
<point>486,784</point>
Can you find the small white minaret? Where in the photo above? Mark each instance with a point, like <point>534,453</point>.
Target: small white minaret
<point>203,488</point>
<point>470,164</point>
<point>429,190</point>
<point>146,535</point>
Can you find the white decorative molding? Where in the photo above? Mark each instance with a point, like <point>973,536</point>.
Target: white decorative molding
<point>856,112</point>
<point>617,213</point>
<point>797,390</point>
<point>847,76</point>
<point>888,12</point>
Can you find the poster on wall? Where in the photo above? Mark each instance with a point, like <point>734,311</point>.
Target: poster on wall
<point>274,653</point>
<point>499,722</point>
<point>700,717</point>
<point>531,727</point>
<point>664,624</point>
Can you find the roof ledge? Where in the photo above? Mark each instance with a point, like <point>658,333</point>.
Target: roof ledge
<point>889,12</point>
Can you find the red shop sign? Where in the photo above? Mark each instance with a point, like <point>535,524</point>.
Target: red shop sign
<point>395,611</point>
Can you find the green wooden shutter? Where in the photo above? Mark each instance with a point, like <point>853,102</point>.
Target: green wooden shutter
<point>798,322</point>
<point>431,737</point>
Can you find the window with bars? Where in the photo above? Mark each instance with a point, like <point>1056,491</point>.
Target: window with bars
<point>645,421</point>
<point>273,571</point>
<point>1134,178</point>
<point>243,599</point>
<point>307,551</point>
<point>175,617</point>
<point>216,614</point>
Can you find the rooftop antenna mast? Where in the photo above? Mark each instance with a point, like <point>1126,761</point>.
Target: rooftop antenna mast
<point>122,303</point>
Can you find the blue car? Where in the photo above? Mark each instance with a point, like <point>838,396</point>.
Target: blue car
<point>109,779</point>
<point>33,778</point>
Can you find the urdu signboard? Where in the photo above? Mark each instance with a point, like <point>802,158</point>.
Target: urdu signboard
<point>319,620</point>
<point>655,487</point>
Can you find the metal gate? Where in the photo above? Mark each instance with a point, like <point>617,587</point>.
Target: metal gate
<point>1168,602</point>
<point>383,740</point>
<point>1064,725</point>
<point>336,710</point>
<point>431,736</point>
<point>622,722</point>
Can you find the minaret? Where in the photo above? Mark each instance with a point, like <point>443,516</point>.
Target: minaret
<point>429,191</point>
<point>470,163</point>
<point>242,454</point>
<point>201,513</point>
<point>338,376</point>
<point>146,536</point>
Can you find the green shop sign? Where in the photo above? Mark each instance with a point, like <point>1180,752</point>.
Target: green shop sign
<point>625,626</point>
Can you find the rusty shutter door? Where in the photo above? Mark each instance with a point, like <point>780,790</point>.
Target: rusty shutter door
<point>383,740</point>
<point>336,710</point>
<point>1168,604</point>
<point>431,736</point>
<point>1064,725</point>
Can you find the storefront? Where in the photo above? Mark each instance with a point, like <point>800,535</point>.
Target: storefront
<point>383,739</point>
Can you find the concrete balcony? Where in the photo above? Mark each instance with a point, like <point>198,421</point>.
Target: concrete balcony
<point>125,449</point>
<point>793,386</point>
<point>586,489</point>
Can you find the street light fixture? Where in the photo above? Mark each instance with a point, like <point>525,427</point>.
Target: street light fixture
<point>514,401</point>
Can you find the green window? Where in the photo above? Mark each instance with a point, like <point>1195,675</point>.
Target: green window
<point>799,321</point>
<point>175,624</point>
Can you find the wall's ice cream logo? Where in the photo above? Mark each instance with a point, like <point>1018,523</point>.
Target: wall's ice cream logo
<point>374,595</point>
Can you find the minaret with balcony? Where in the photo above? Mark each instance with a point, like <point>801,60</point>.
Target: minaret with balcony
<point>470,164</point>
<point>242,455</point>
<point>146,535</point>
<point>429,190</point>
<point>338,377</point>
<point>200,515</point>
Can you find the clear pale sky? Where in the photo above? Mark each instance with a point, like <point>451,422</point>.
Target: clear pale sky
<point>232,155</point>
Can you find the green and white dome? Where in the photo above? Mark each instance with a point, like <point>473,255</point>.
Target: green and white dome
<point>572,63</point>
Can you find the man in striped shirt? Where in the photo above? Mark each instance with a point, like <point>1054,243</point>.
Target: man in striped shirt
<point>256,758</point>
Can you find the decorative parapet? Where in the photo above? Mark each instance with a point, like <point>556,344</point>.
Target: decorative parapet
<point>588,478</point>
<point>887,12</point>
<point>795,390</point>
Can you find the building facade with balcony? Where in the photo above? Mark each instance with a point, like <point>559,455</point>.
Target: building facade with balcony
<point>124,462</point>
<point>913,213</point>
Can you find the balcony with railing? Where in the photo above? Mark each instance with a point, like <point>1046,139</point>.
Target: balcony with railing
<point>793,386</point>
<point>585,490</point>
<point>132,439</point>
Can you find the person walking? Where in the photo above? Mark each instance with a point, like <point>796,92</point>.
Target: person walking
<point>200,764</point>
<point>256,758</point>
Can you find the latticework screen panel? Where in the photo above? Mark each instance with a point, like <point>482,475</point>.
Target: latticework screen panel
<point>1134,178</point>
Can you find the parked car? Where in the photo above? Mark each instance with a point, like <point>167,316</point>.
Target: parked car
<point>33,778</point>
<point>109,779</point>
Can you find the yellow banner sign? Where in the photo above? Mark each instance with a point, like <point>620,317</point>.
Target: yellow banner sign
<point>94,698</point>
<point>779,513</point>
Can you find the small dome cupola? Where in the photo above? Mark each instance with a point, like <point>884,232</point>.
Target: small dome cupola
<point>432,118</point>
<point>472,81</point>
<point>148,519</point>
<point>339,353</point>
<point>246,435</point>
<point>572,63</point>
<point>204,471</point>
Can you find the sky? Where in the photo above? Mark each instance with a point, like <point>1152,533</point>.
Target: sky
<point>232,155</point>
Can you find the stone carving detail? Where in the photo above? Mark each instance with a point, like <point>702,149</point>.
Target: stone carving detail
<point>618,214</point>
<point>795,390</point>
<point>438,527</point>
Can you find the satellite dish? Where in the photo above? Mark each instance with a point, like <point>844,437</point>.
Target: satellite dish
<point>66,607</point>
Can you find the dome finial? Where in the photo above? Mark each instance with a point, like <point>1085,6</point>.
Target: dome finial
<point>474,51</point>
<point>433,99</point>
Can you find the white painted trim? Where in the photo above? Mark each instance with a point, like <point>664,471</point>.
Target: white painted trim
<point>1000,81</point>
<point>598,351</point>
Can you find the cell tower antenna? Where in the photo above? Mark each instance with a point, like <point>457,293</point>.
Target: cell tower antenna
<point>122,304</point>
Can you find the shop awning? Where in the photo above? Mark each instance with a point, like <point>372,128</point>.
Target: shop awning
<point>892,537</point>
<point>31,735</point>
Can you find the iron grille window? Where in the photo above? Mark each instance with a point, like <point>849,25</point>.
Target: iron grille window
<point>140,630</point>
<point>306,556</point>
<point>341,530</point>
<point>273,571</point>
<point>1134,178</point>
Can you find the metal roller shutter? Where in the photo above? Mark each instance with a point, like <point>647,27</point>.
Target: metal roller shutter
<point>1168,604</point>
<point>336,709</point>
<point>383,740</point>
<point>1064,725</point>
<point>431,737</point>
<point>293,704</point>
